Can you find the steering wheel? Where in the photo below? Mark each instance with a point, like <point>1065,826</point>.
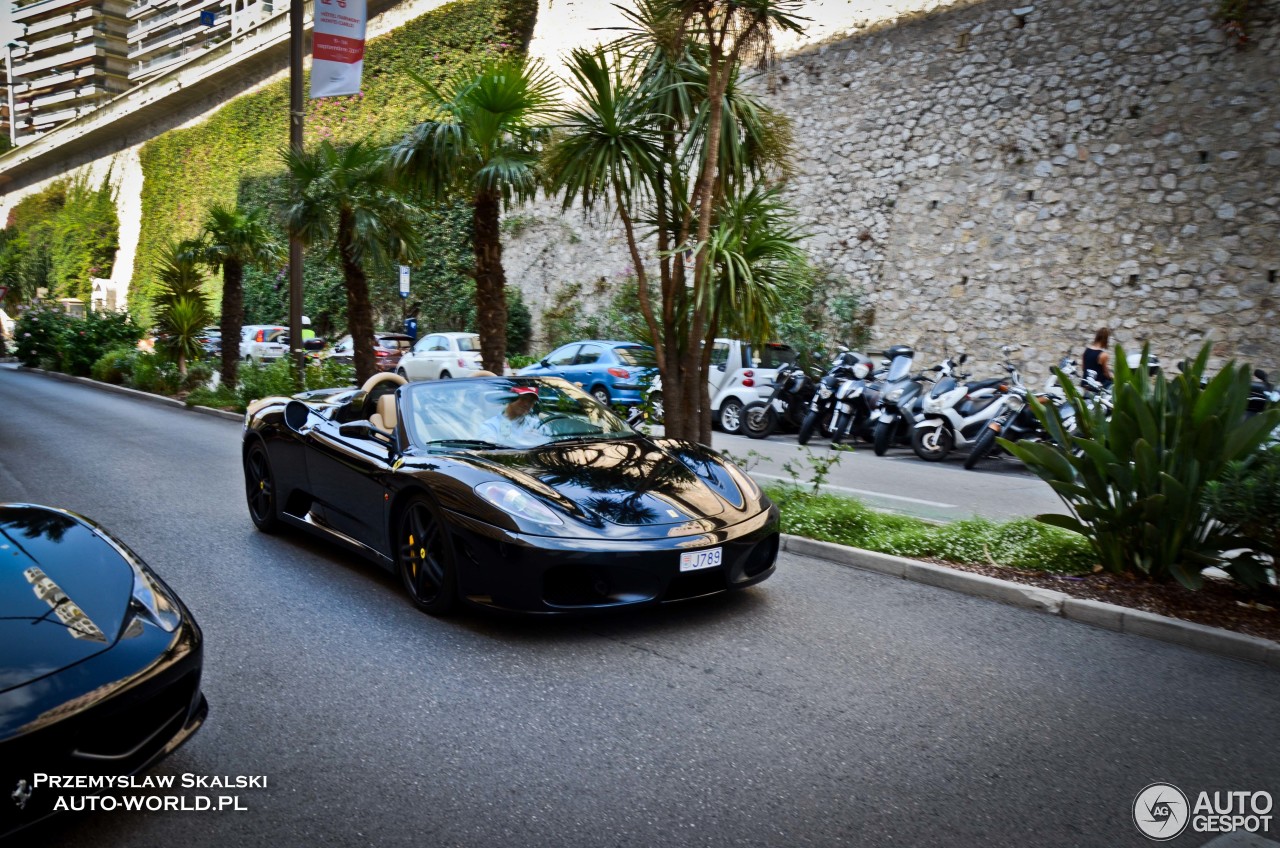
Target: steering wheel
<point>384,377</point>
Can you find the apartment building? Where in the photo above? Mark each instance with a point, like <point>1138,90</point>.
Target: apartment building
<point>78,54</point>
<point>71,61</point>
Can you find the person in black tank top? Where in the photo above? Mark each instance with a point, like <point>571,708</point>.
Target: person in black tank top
<point>1096,360</point>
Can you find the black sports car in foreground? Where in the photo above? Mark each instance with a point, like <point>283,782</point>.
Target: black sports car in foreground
<point>517,493</point>
<point>99,661</point>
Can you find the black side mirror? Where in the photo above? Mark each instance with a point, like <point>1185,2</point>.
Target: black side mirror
<point>1261,375</point>
<point>720,367</point>
<point>545,363</point>
<point>296,414</point>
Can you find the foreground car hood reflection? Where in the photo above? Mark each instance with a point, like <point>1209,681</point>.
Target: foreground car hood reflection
<point>56,576</point>
<point>631,482</point>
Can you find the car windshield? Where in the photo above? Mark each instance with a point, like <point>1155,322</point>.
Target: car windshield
<point>501,413</point>
<point>640,357</point>
<point>468,342</point>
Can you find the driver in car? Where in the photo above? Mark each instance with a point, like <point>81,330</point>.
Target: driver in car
<point>517,425</point>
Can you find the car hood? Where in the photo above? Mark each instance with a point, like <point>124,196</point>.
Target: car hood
<point>631,482</point>
<point>64,593</point>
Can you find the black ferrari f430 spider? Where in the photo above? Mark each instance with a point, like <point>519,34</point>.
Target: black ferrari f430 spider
<point>516,493</point>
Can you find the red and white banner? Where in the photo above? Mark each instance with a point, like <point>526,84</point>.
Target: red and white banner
<point>337,47</point>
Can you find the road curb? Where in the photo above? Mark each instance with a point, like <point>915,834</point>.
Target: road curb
<point>1107,616</point>
<point>137,394</point>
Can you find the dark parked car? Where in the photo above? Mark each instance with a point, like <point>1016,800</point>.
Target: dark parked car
<point>387,350</point>
<point>510,492</point>
<point>614,372</point>
<point>99,660</point>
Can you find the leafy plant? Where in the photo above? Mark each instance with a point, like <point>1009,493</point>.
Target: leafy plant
<point>1136,483</point>
<point>182,308</point>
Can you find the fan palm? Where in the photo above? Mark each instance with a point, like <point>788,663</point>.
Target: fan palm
<point>231,240</point>
<point>181,306</point>
<point>482,145</point>
<point>344,199</point>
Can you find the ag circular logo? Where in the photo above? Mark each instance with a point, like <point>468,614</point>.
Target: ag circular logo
<point>1161,812</point>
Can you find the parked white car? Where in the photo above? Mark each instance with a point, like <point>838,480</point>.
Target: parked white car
<point>439,356</point>
<point>261,342</point>
<point>740,374</point>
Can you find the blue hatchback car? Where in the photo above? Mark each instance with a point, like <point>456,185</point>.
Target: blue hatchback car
<point>617,373</point>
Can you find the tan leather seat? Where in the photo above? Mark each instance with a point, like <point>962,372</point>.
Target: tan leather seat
<point>385,417</point>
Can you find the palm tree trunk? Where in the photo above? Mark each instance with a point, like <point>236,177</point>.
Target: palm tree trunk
<point>491,297</point>
<point>232,319</point>
<point>359,312</point>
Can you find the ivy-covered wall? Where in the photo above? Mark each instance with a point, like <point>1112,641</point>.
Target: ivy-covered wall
<point>234,156</point>
<point>59,239</point>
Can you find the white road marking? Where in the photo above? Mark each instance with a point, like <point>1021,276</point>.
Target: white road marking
<point>867,492</point>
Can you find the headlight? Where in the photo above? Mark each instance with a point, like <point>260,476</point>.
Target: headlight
<point>513,500</point>
<point>893,396</point>
<point>931,405</point>
<point>152,600</point>
<point>1014,403</point>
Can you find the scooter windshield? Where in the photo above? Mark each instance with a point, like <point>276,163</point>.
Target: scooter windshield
<point>898,369</point>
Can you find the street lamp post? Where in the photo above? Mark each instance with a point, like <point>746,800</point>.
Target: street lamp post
<point>296,115</point>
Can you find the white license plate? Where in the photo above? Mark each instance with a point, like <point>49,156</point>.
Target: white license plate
<point>695,560</point>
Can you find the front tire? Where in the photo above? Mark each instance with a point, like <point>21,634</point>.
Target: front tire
<point>260,489</point>
<point>425,558</point>
<point>932,444</point>
<point>759,420</point>
<point>601,394</point>
<point>981,447</point>
<point>883,437</point>
<point>731,416</point>
<point>807,427</point>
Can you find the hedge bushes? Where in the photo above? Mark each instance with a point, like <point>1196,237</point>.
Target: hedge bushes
<point>50,338</point>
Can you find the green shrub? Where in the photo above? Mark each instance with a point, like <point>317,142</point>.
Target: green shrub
<point>1136,483</point>
<point>115,366</point>
<point>88,338</point>
<point>1019,544</point>
<point>155,374</point>
<point>41,336</point>
<point>219,398</point>
<point>1246,499</point>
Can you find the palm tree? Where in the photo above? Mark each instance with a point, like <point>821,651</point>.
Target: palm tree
<point>482,144</point>
<point>231,240</point>
<point>345,199</point>
<point>640,138</point>
<point>182,307</point>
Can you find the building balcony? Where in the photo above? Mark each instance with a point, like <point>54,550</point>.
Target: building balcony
<point>177,36</point>
<point>37,11</point>
<point>50,24</point>
<point>172,17</point>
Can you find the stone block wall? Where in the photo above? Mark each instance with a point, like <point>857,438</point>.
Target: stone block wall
<point>993,173</point>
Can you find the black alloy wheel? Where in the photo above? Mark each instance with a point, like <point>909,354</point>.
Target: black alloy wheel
<point>260,489</point>
<point>425,557</point>
<point>759,420</point>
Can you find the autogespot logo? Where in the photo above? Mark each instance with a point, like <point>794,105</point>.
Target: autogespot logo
<point>1160,811</point>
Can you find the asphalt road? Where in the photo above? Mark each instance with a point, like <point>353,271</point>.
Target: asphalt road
<point>824,707</point>
<point>999,488</point>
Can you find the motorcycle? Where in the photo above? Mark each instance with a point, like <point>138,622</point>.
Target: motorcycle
<point>954,412</point>
<point>896,415</point>
<point>832,399</point>
<point>1016,421</point>
<point>793,391</point>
